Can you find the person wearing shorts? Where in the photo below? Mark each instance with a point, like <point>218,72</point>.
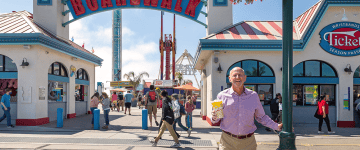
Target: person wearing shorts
<point>151,106</point>
<point>128,98</point>
<point>121,101</point>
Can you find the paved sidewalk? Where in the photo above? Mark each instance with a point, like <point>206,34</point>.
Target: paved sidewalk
<point>125,133</point>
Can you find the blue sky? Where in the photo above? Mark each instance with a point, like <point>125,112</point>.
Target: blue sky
<point>141,32</point>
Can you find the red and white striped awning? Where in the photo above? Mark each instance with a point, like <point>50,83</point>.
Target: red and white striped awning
<point>253,30</point>
<point>266,30</point>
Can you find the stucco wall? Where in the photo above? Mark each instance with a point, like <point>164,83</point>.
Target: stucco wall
<point>218,17</point>
<point>36,75</point>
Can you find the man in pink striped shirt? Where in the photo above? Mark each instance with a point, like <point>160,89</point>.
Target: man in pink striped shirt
<point>240,107</point>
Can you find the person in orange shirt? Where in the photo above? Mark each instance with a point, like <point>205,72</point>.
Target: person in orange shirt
<point>324,111</point>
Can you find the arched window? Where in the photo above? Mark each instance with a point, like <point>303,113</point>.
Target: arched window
<point>314,68</point>
<point>82,75</point>
<point>252,68</point>
<point>312,79</point>
<point>7,64</point>
<point>58,69</point>
<point>260,77</point>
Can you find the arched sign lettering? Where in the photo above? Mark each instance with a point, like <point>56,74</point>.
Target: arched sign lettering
<point>186,8</point>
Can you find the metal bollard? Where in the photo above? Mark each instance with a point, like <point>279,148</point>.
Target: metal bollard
<point>59,118</point>
<point>96,119</point>
<point>144,119</point>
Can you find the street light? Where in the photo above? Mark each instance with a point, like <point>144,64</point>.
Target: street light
<point>287,137</point>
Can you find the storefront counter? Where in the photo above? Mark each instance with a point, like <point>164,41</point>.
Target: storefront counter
<point>52,109</point>
<point>80,108</point>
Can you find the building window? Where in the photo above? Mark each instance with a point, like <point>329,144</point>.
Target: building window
<point>252,68</point>
<point>220,3</point>
<point>44,2</point>
<point>313,69</point>
<point>7,64</point>
<point>58,69</point>
<point>357,72</point>
<point>82,75</point>
<point>309,95</point>
<point>265,91</point>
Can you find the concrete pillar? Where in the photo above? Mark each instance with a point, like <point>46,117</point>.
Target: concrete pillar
<point>219,15</point>
<point>51,18</point>
<point>71,101</point>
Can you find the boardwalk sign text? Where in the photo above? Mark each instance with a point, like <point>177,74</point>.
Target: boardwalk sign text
<point>341,38</point>
<point>186,8</point>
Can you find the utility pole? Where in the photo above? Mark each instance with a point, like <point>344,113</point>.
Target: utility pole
<point>287,137</point>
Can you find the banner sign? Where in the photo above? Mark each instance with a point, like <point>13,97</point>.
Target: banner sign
<point>341,38</point>
<point>120,83</point>
<point>185,69</point>
<point>163,83</point>
<point>186,8</point>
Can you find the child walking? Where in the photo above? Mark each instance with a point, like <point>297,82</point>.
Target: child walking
<point>189,107</point>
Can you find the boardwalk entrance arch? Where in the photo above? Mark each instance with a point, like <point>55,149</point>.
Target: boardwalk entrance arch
<point>187,8</point>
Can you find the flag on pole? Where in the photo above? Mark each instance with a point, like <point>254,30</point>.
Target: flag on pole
<point>92,50</point>
<point>83,45</point>
<point>72,39</point>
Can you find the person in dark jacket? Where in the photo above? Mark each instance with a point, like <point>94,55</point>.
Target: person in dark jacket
<point>274,109</point>
<point>167,121</point>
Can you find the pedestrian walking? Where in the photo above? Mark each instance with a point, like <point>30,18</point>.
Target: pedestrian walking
<point>113,101</point>
<point>105,101</point>
<point>280,108</point>
<point>94,102</point>
<point>121,101</point>
<point>324,111</point>
<point>128,98</point>
<point>274,109</point>
<point>167,121</point>
<point>189,107</point>
<point>5,105</point>
<point>240,107</point>
<point>152,99</point>
<point>193,98</point>
<point>177,115</point>
<point>140,99</point>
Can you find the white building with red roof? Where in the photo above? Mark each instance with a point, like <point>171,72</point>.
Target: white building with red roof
<point>44,69</point>
<point>326,45</point>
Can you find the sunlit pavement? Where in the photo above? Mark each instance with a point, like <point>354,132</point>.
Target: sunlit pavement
<point>125,132</point>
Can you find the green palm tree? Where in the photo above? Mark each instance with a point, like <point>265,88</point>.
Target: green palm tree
<point>179,76</point>
<point>135,79</point>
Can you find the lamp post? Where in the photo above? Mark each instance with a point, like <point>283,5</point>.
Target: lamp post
<point>287,137</point>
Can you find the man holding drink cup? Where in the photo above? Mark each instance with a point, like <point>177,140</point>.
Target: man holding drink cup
<point>237,107</point>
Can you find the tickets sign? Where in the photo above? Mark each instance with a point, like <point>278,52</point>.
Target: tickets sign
<point>341,38</point>
<point>187,8</point>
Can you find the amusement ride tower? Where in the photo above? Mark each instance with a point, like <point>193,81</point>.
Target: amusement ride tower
<point>168,45</point>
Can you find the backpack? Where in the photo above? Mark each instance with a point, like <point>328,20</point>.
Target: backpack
<point>152,96</point>
<point>182,109</point>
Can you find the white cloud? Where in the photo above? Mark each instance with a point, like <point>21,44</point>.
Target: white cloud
<point>135,58</point>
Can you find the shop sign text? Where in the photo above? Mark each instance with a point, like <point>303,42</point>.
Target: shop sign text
<point>341,38</point>
<point>187,8</point>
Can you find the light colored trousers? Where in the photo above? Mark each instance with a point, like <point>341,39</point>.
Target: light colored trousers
<point>168,126</point>
<point>228,142</point>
